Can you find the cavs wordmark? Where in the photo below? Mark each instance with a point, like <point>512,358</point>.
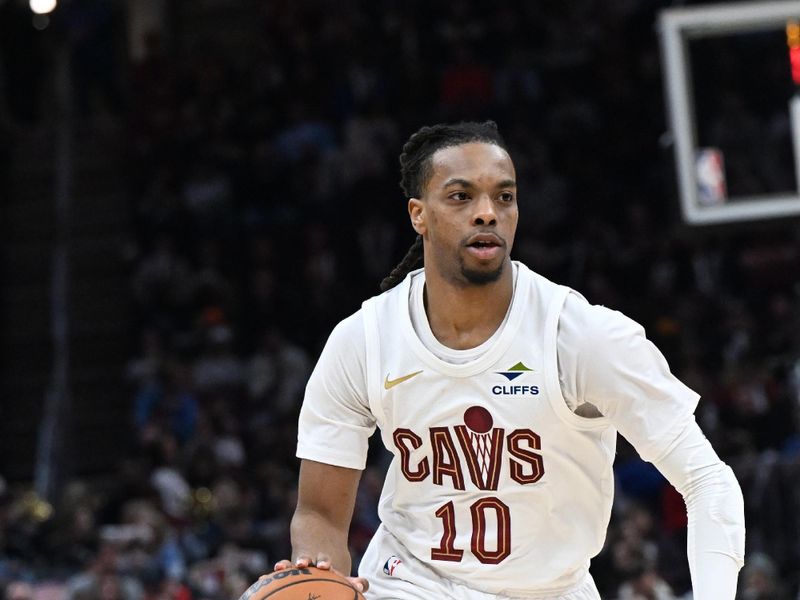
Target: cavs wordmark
<point>474,447</point>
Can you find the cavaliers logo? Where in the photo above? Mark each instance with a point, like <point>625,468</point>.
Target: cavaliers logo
<point>481,446</point>
<point>475,446</point>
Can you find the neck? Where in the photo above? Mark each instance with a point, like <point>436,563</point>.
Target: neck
<point>463,315</point>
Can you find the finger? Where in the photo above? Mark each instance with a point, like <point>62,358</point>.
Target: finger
<point>303,561</point>
<point>281,565</point>
<point>361,584</point>
<point>323,562</point>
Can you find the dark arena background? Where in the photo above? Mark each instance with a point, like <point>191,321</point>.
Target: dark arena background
<point>194,192</point>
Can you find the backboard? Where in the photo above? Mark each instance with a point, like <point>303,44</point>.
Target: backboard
<point>746,64</point>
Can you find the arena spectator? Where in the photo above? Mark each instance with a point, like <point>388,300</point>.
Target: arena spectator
<point>265,207</point>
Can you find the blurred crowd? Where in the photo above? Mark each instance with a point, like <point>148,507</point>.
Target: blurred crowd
<point>265,208</point>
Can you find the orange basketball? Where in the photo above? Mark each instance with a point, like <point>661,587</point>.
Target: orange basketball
<point>302,584</point>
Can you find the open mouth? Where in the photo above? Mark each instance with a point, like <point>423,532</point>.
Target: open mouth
<point>485,246</point>
<point>485,240</point>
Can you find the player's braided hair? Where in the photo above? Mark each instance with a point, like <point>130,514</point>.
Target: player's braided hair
<point>415,170</point>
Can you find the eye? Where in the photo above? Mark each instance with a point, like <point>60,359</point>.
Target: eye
<point>507,197</point>
<point>459,196</point>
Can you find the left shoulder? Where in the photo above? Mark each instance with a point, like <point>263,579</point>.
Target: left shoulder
<point>595,323</point>
<point>588,323</point>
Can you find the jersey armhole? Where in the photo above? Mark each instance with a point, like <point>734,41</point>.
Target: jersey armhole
<point>373,359</point>
<point>552,383</point>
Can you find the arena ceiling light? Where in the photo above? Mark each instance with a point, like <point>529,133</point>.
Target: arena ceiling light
<point>43,7</point>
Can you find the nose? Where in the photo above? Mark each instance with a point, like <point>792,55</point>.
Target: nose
<point>484,212</point>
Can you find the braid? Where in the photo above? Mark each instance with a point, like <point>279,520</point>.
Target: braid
<point>410,260</point>
<point>416,169</point>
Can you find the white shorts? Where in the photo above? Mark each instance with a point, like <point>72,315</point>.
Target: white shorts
<point>411,579</point>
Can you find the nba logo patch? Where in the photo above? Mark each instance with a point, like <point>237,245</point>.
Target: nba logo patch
<point>712,189</point>
<point>391,565</point>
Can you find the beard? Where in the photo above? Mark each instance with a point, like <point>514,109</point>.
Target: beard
<point>482,276</point>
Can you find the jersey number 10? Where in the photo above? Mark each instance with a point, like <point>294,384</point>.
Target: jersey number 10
<point>447,550</point>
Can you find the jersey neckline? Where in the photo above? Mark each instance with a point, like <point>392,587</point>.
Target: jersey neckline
<point>509,328</point>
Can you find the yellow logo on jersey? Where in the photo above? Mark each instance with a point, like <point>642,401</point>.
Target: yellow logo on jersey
<point>390,383</point>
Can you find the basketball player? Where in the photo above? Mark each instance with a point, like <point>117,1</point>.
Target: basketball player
<point>500,395</point>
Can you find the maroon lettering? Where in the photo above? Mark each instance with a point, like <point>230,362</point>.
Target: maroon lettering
<point>447,550</point>
<point>445,458</point>
<point>478,546</point>
<point>484,454</point>
<point>521,443</point>
<point>403,438</point>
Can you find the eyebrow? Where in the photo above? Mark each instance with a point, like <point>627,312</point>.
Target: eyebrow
<point>505,183</point>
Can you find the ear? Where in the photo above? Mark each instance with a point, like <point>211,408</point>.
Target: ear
<point>416,210</point>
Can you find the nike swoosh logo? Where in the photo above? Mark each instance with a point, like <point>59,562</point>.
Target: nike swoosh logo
<point>390,383</point>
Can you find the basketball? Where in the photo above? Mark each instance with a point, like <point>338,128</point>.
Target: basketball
<point>478,419</point>
<point>302,584</point>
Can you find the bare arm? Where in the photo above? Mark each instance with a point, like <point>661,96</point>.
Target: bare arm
<point>325,502</point>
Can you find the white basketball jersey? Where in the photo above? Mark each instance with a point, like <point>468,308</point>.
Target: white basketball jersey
<point>494,481</point>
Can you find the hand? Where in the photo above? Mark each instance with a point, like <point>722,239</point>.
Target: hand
<point>324,563</point>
